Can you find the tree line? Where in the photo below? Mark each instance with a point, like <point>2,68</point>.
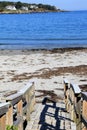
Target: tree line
<point>19,4</point>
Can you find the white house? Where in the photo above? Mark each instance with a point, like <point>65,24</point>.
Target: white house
<point>33,7</point>
<point>10,7</point>
<point>24,8</point>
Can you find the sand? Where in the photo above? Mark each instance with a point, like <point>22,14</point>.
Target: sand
<point>47,68</point>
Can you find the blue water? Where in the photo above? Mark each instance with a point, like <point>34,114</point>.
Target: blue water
<point>43,30</point>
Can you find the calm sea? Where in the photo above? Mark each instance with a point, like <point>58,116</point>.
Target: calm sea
<point>43,30</point>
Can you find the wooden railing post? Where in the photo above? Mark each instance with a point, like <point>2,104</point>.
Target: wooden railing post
<point>3,122</point>
<point>84,111</point>
<point>78,112</point>
<point>15,101</point>
<point>19,108</point>
<point>76,105</point>
<point>20,114</point>
<point>3,110</point>
<point>70,101</point>
<point>28,107</point>
<point>32,98</point>
<point>31,101</point>
<point>28,93</point>
<point>9,116</point>
<point>66,95</point>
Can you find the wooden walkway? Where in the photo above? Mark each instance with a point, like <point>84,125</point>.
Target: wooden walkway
<point>46,113</point>
<point>50,116</point>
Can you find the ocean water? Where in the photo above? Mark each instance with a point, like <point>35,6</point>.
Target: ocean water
<point>43,30</point>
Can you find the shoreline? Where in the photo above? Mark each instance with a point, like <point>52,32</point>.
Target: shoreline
<point>31,12</point>
<point>54,50</point>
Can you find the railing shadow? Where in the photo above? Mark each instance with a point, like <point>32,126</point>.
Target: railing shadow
<point>45,125</point>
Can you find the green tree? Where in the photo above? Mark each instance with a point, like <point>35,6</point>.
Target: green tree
<point>40,6</point>
<point>18,5</point>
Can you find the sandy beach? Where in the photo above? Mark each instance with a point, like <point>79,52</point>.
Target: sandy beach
<point>47,68</point>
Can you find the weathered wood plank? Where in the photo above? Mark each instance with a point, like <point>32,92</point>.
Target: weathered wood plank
<point>28,105</point>
<point>74,101</point>
<point>66,93</point>
<point>26,88</point>
<point>75,88</point>
<point>4,108</point>
<point>14,99</point>
<point>84,110</point>
<point>3,122</point>
<point>9,116</point>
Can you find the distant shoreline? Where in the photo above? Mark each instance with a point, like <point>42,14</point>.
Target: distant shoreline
<point>7,7</point>
<point>32,12</point>
<point>53,50</point>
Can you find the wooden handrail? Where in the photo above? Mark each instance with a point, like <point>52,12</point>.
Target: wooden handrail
<point>84,110</point>
<point>26,88</point>
<point>14,99</point>
<point>75,88</point>
<point>4,108</point>
<point>77,104</point>
<point>17,106</point>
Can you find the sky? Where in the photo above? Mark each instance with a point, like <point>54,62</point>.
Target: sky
<point>62,4</point>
